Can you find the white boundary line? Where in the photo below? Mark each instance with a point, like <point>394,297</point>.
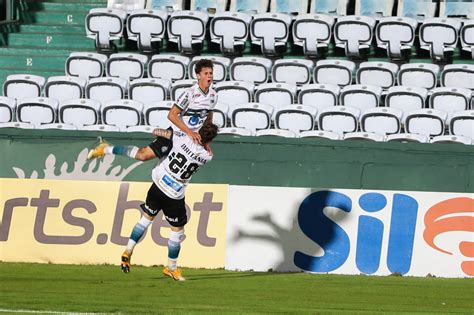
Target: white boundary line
<point>3,310</point>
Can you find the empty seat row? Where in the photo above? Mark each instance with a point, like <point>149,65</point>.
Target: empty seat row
<point>271,32</point>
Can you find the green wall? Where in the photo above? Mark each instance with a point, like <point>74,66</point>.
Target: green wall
<point>256,161</point>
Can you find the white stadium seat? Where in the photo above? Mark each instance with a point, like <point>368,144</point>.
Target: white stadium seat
<point>86,65</point>
<point>234,92</point>
<point>354,34</point>
<point>462,123</point>
<point>378,73</point>
<point>407,137</point>
<point>251,69</point>
<point>128,66</point>
<point>219,114</point>
<point>79,112</point>
<point>319,95</point>
<point>16,124</point>
<point>276,133</point>
<point>156,114</point>
<point>396,35</point>
<point>235,131</point>
<point>293,71</point>
<point>37,110</point>
<point>21,86</point>
<point>406,98</point>
<point>105,25</point>
<point>275,94</point>
<point>458,75</point>
<point>122,113</point>
<point>57,126</point>
<point>64,87</point>
<point>252,116</point>
<point>339,119</point>
<point>149,90</point>
<point>450,99</point>
<point>270,31</point>
<point>338,72</point>
<point>423,75</point>
<point>428,122</point>
<point>7,109</point>
<point>147,27</point>
<point>230,30</point>
<point>313,32</point>
<point>106,89</point>
<point>439,35</point>
<point>127,5</point>
<point>101,127</point>
<point>320,134</point>
<point>451,139</point>
<point>381,120</point>
<point>367,136</point>
<point>220,69</point>
<point>295,117</point>
<point>467,37</point>
<point>141,128</point>
<point>178,87</point>
<point>169,67</point>
<point>187,29</point>
<point>360,96</point>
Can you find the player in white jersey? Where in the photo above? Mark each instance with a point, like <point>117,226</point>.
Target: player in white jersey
<point>170,178</point>
<point>195,105</point>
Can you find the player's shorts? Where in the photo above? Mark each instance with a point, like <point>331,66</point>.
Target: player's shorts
<point>161,146</point>
<point>174,210</point>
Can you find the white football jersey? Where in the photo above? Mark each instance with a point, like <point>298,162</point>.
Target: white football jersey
<point>195,105</point>
<point>174,172</point>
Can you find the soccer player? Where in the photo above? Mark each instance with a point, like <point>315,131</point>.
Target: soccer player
<point>170,179</point>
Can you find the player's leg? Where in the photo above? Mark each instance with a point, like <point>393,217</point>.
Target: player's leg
<point>176,216</point>
<point>149,212</point>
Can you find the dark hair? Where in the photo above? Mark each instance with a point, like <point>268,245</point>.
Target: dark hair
<point>203,63</point>
<point>208,132</point>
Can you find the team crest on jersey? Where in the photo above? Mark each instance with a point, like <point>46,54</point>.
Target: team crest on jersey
<point>164,149</point>
<point>197,95</point>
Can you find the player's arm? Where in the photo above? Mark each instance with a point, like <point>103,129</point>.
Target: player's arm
<point>175,117</point>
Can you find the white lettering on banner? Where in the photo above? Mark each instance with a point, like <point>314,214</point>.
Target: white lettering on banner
<point>70,18</point>
<point>49,39</point>
<point>351,231</point>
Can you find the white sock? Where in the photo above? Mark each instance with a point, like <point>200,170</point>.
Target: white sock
<point>172,264</point>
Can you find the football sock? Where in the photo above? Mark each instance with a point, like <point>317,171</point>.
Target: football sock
<point>137,232</point>
<point>174,246</point>
<point>126,150</point>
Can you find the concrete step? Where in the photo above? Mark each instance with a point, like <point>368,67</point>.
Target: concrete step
<point>35,51</point>
<point>33,62</point>
<point>52,29</point>
<point>76,18</point>
<point>64,6</point>
<point>62,41</point>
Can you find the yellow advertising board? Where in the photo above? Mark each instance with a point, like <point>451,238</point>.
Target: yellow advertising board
<point>89,222</point>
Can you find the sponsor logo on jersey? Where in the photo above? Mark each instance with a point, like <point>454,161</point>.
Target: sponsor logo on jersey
<point>172,183</point>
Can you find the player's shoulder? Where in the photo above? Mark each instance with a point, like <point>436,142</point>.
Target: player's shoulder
<point>212,92</point>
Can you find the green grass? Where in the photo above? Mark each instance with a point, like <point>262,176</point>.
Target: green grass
<point>72,288</point>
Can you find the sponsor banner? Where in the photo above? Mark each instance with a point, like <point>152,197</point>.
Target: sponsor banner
<point>350,231</point>
<point>89,222</point>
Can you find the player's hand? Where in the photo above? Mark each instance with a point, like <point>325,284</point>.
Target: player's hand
<point>195,136</point>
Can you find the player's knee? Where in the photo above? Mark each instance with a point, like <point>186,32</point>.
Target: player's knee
<point>143,155</point>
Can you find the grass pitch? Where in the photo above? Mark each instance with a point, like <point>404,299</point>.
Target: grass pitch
<point>51,288</point>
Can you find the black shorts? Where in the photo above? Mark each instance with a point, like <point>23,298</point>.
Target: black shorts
<point>161,146</point>
<point>174,210</point>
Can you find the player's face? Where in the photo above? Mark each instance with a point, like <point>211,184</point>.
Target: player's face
<point>205,78</point>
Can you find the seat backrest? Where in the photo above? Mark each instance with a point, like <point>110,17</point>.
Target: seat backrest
<point>332,7</point>
<point>37,110</point>
<point>293,71</point>
<point>423,75</point>
<point>156,114</point>
<point>270,30</point>
<point>128,6</point>
<point>378,73</point>
<point>128,66</point>
<point>467,36</point>
<point>145,26</point>
<point>311,30</point>
<point>275,94</point>
<point>106,89</point>
<point>86,65</point>
<point>439,33</point>
<point>186,27</point>
<point>230,30</point>
<point>219,114</point>
<point>7,109</point>
<point>381,120</point>
<point>360,96</point>
<point>178,87</point>
<point>234,92</point>
<point>339,119</point>
<point>352,32</point>
<point>220,69</point>
<point>149,90</point>
<point>319,95</point>
<point>21,86</point>
<point>252,116</point>
<point>395,33</point>
<point>428,122</point>
<point>458,75</point>
<point>296,118</point>
<point>320,134</point>
<point>79,112</point>
<point>169,67</point>
<point>456,9</point>
<point>105,24</point>
<point>406,98</point>
<point>337,72</point>
<point>449,99</point>
<point>64,87</point>
<point>122,113</point>
<point>462,124</point>
<point>251,69</point>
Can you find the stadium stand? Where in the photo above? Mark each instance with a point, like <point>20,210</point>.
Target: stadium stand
<point>296,65</point>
